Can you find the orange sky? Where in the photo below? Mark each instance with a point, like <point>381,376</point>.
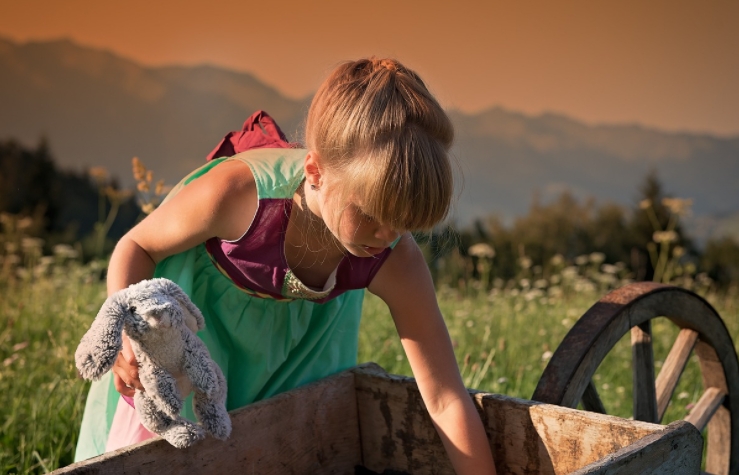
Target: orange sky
<point>669,64</point>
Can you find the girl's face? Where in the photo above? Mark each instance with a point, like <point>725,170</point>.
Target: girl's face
<point>357,232</point>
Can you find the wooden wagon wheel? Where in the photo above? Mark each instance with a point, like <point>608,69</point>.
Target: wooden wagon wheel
<point>567,379</point>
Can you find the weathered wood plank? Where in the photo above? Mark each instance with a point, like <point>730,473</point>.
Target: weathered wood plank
<point>673,368</point>
<point>645,397</point>
<point>675,449</point>
<point>525,437</point>
<point>395,428</point>
<point>573,439</point>
<point>706,406</point>
<point>312,429</point>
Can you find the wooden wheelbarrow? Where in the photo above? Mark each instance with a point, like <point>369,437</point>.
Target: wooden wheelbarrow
<point>365,421</point>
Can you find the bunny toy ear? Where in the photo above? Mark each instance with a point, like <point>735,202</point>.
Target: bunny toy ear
<point>99,348</point>
<point>189,309</point>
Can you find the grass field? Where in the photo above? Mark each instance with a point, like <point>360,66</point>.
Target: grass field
<point>503,339</point>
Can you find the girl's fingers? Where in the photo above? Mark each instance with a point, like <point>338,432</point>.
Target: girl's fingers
<point>126,370</point>
<point>121,386</point>
<point>127,352</point>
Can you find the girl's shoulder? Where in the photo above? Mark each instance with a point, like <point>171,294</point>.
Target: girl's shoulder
<point>277,171</point>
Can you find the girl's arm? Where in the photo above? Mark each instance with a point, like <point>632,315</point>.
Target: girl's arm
<point>220,203</point>
<point>405,284</point>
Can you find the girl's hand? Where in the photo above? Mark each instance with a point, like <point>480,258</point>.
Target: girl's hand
<point>126,370</point>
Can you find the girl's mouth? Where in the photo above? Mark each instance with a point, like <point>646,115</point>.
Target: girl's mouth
<point>373,250</point>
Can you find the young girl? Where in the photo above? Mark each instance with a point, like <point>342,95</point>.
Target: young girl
<point>276,244</point>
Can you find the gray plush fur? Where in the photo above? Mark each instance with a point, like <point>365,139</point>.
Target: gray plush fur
<point>161,321</point>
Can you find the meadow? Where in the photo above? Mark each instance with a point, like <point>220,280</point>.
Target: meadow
<point>503,334</point>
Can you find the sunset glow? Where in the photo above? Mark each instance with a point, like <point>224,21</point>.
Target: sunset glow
<point>672,65</point>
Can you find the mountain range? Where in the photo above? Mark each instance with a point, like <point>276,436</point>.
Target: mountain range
<point>97,108</point>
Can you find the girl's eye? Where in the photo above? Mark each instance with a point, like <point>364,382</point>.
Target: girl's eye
<point>364,216</point>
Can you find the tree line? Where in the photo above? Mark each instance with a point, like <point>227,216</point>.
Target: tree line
<point>64,206</point>
<point>647,241</point>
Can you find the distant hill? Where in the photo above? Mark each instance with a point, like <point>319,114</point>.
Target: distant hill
<point>97,108</point>
<point>507,155</point>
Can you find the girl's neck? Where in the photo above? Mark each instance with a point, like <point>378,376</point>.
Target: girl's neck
<point>308,242</point>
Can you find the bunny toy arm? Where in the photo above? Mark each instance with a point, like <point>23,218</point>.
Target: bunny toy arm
<point>197,364</point>
<point>99,347</point>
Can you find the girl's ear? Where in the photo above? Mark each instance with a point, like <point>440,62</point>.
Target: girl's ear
<point>313,169</point>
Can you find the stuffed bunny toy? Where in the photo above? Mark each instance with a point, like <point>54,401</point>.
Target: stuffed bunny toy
<point>160,321</point>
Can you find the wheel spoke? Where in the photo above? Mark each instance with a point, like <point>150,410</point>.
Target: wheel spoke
<point>673,367</point>
<point>709,402</point>
<point>591,400</point>
<point>645,397</point>
<point>719,453</point>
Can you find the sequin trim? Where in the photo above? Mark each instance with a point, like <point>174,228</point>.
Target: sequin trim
<point>244,289</point>
<point>294,288</point>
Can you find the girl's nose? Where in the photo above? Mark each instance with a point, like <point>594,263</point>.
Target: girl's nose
<point>386,233</point>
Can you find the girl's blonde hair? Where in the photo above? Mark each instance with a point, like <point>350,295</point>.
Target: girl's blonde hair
<point>374,123</point>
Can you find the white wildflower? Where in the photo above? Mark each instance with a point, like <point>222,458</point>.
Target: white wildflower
<point>532,294</point>
<point>25,223</point>
<point>557,260</point>
<point>597,257</point>
<point>461,313</point>
<point>481,249</point>
<point>664,236</point>
<point>609,269</point>
<point>678,206</point>
<point>31,243</point>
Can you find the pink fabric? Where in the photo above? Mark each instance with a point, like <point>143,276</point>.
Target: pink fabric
<point>126,428</point>
<point>129,400</point>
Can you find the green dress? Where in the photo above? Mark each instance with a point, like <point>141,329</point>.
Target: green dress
<point>266,340</point>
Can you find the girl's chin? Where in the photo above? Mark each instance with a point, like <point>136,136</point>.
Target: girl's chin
<point>371,251</point>
<point>363,251</point>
